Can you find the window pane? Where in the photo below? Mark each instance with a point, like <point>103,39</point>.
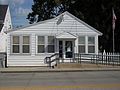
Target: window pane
<point>15,39</point>
<point>15,48</point>
<point>91,40</point>
<point>26,49</point>
<point>40,39</point>
<point>81,40</point>
<point>26,40</point>
<point>50,39</point>
<point>91,49</point>
<point>51,49</point>
<point>41,49</point>
<point>81,49</point>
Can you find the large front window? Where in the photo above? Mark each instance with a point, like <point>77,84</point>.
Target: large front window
<point>91,44</point>
<point>51,48</point>
<point>81,44</point>
<point>41,44</point>
<point>45,44</point>
<point>16,44</point>
<point>20,44</point>
<point>26,44</point>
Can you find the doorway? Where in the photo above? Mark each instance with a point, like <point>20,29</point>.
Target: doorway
<point>66,49</point>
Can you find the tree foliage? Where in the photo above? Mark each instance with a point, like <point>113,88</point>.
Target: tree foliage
<point>97,13</point>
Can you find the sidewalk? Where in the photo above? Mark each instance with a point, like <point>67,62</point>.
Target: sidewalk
<point>47,69</point>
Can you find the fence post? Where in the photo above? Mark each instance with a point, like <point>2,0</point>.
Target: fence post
<point>79,55</point>
<point>92,59</point>
<point>112,60</point>
<point>49,62</point>
<point>5,60</point>
<point>106,59</point>
<point>102,58</point>
<point>118,59</point>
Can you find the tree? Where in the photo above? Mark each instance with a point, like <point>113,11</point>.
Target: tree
<point>97,13</point>
<point>46,9</point>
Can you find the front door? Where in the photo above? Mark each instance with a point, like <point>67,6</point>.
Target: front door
<point>66,49</point>
<point>61,49</point>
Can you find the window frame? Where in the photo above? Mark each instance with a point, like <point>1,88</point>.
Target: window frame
<point>20,44</point>
<point>91,44</point>
<point>25,44</point>
<point>37,44</point>
<point>82,44</point>
<point>50,44</point>
<point>12,44</point>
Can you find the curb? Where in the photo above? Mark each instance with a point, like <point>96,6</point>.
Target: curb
<point>58,70</point>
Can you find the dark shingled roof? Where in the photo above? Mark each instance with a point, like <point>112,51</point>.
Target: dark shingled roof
<point>3,10</point>
<point>1,25</point>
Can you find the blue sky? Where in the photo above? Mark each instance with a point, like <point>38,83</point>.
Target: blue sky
<point>19,10</point>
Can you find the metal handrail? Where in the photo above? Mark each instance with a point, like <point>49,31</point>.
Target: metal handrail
<point>49,60</point>
<point>86,58</point>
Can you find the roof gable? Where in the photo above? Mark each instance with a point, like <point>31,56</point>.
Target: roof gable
<point>66,26</point>
<point>1,26</point>
<point>82,22</point>
<point>66,35</point>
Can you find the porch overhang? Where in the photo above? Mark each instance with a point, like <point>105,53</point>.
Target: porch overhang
<point>66,35</point>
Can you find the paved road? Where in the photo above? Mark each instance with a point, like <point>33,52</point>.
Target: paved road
<point>109,80</point>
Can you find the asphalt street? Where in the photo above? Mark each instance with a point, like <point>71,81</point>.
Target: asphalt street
<point>102,80</point>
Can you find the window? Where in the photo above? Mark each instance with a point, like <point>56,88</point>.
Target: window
<point>41,44</point>
<point>26,44</point>
<point>91,44</point>
<point>81,44</point>
<point>21,44</point>
<point>51,47</point>
<point>16,44</point>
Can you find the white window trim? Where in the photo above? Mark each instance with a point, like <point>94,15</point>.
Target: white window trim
<point>45,44</point>
<point>20,44</point>
<point>91,45</point>
<point>40,44</point>
<point>14,44</point>
<point>82,44</point>
<point>51,44</point>
<point>26,44</point>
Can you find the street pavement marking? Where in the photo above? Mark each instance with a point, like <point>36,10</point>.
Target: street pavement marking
<point>91,86</point>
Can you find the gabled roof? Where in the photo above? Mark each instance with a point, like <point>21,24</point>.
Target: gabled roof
<point>67,13</point>
<point>1,26</point>
<point>3,10</point>
<point>83,23</point>
<point>66,35</point>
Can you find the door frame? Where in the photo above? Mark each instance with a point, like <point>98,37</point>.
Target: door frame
<point>63,47</point>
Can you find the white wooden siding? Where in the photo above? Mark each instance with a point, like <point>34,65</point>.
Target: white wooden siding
<point>48,28</point>
<point>51,27</point>
<point>3,36</point>
<point>23,60</point>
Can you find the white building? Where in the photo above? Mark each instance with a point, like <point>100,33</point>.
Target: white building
<point>5,25</point>
<point>65,34</point>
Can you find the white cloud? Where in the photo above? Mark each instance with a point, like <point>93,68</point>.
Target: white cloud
<point>14,2</point>
<point>3,1</point>
<point>22,11</point>
<point>18,1</point>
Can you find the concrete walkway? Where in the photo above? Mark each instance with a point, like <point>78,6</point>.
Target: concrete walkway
<point>47,69</point>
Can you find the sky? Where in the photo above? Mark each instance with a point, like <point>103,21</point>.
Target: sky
<point>19,10</point>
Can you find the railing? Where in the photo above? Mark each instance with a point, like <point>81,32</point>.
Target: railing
<point>3,60</point>
<point>52,60</point>
<point>105,59</point>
